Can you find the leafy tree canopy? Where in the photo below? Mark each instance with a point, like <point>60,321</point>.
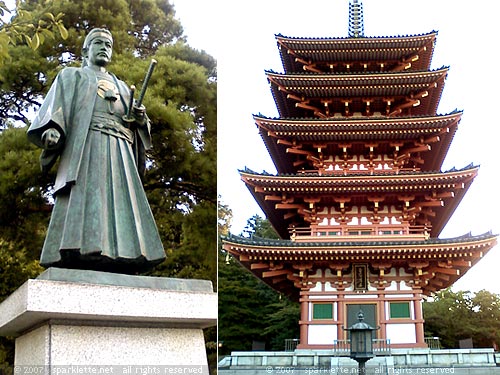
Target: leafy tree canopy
<point>249,310</point>
<point>181,102</point>
<point>180,180</point>
<point>23,30</point>
<point>454,316</point>
<point>259,227</point>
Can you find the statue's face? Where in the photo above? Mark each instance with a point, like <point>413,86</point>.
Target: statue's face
<point>100,51</point>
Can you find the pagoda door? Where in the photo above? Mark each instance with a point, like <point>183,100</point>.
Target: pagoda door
<point>369,311</point>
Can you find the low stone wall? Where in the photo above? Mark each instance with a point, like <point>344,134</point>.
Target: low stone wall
<point>444,357</point>
<point>401,361</point>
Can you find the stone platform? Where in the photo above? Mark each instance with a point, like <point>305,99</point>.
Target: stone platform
<point>401,361</point>
<point>72,317</point>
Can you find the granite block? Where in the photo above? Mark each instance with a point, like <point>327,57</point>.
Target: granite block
<point>89,318</point>
<point>63,345</point>
<point>40,300</point>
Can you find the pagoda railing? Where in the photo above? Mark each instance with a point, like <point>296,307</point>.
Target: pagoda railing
<point>351,171</point>
<point>291,344</point>
<point>381,347</point>
<point>359,233</point>
<point>433,342</point>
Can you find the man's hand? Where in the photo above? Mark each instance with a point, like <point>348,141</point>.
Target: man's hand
<point>51,138</point>
<point>139,114</point>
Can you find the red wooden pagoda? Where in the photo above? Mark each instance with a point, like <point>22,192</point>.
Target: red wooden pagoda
<point>359,199</point>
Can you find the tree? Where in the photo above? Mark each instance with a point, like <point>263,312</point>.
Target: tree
<point>259,227</point>
<point>453,316</point>
<point>283,323</point>
<point>181,102</point>
<point>15,268</point>
<point>180,180</point>
<point>243,306</point>
<point>486,327</point>
<point>24,208</point>
<point>250,310</point>
<point>139,28</point>
<point>23,30</point>
<point>224,218</point>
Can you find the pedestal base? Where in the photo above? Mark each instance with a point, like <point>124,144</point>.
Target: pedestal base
<point>92,322</point>
<point>59,344</point>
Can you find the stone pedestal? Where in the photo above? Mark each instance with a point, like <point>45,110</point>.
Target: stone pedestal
<point>89,318</point>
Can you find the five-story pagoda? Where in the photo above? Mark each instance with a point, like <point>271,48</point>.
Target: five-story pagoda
<point>359,198</point>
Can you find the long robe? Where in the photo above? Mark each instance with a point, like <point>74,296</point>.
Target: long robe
<point>101,218</point>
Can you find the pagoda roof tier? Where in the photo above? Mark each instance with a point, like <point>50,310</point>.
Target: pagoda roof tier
<point>413,52</point>
<point>310,140</point>
<point>422,198</point>
<point>327,95</point>
<point>431,264</point>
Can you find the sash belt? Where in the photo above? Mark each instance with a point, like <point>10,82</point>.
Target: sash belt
<point>110,126</point>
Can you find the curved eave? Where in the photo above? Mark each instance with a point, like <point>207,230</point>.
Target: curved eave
<point>352,42</point>
<point>272,247</point>
<point>274,216</point>
<point>307,80</point>
<point>357,49</point>
<point>403,179</point>
<point>361,130</point>
<point>358,43</point>
<point>441,262</point>
<point>348,86</point>
<point>358,123</point>
<point>326,187</point>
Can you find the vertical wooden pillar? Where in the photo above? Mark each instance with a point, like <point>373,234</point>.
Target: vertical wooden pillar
<point>304,322</point>
<point>382,318</point>
<point>419,321</point>
<point>340,317</point>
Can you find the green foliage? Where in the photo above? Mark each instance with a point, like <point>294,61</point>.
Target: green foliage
<point>242,307</point>
<point>134,32</point>
<point>453,316</point>
<point>24,28</point>
<point>21,42</point>
<point>16,266</point>
<point>259,227</point>
<point>194,255</point>
<point>224,217</point>
<point>249,310</point>
<point>283,323</point>
<point>154,25</point>
<point>24,207</point>
<point>181,101</point>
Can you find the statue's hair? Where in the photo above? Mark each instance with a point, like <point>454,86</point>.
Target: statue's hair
<point>94,33</point>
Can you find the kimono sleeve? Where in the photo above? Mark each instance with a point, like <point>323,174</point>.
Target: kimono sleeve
<point>54,113</point>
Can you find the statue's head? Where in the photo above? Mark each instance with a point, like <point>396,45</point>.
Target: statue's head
<point>97,47</point>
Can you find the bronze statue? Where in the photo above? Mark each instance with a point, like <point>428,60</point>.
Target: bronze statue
<point>101,218</point>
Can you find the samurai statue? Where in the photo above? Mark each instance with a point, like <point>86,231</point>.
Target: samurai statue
<point>101,219</point>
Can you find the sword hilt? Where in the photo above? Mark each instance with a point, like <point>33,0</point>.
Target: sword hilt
<point>128,117</point>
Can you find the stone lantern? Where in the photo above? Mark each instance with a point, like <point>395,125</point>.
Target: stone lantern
<point>361,342</point>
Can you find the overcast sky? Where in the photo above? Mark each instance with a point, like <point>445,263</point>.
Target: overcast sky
<point>240,35</point>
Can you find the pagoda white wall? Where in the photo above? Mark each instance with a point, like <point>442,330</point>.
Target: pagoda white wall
<point>404,331</point>
<point>322,334</point>
<point>401,333</point>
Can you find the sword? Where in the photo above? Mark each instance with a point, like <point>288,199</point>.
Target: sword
<point>146,82</point>
<point>128,117</point>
